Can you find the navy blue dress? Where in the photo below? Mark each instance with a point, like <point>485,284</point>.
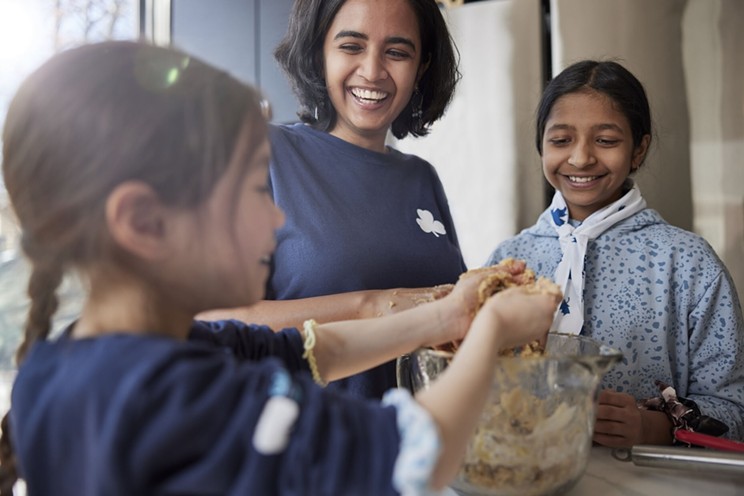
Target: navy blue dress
<point>127,414</point>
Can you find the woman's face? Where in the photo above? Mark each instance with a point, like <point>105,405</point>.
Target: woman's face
<point>371,54</point>
<point>588,151</point>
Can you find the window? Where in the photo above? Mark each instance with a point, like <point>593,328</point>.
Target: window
<point>30,32</point>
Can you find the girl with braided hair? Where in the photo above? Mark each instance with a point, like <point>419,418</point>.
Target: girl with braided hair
<point>145,170</point>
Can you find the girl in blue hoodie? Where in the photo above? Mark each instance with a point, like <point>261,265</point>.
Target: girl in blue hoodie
<point>630,280</point>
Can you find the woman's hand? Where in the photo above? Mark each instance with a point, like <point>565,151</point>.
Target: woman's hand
<point>396,300</point>
<point>472,287</point>
<point>456,305</point>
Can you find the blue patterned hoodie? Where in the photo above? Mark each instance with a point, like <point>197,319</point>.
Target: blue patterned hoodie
<point>662,296</point>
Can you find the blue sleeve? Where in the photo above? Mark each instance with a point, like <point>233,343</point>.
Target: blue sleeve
<point>215,426</point>
<point>716,355</point>
<point>252,342</point>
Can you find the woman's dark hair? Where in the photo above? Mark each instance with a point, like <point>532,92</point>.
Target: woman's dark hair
<point>301,56</point>
<point>608,78</point>
<point>86,121</point>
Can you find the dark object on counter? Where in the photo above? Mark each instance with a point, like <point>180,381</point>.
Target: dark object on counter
<point>684,414</point>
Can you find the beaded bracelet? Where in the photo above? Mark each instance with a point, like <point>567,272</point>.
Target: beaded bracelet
<point>309,328</point>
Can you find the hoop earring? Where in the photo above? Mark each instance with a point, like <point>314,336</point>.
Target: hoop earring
<point>315,113</point>
<point>417,112</point>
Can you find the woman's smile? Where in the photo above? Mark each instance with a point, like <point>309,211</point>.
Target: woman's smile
<point>369,97</point>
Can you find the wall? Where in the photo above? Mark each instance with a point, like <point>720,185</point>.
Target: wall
<point>646,37</point>
<point>238,36</point>
<point>483,147</point>
<point>713,44</point>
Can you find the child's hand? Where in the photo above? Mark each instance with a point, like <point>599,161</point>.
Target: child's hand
<point>621,424</point>
<point>523,314</point>
<point>468,295</point>
<point>619,420</point>
<point>476,285</point>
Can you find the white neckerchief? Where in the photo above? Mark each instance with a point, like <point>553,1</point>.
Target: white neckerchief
<point>569,274</point>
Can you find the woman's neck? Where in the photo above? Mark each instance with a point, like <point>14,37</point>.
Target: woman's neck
<point>372,142</point>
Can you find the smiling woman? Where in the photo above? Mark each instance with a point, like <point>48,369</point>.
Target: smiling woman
<point>369,230</point>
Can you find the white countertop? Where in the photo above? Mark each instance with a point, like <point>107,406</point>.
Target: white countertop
<point>606,476</point>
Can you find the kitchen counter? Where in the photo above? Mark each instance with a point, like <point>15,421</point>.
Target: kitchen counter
<point>607,476</point>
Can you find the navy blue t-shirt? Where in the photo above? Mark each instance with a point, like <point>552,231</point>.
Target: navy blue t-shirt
<point>124,414</point>
<point>357,220</point>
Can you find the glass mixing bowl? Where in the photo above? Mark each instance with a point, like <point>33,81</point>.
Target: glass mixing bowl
<point>535,433</point>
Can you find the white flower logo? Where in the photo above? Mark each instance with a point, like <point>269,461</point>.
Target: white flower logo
<point>428,224</point>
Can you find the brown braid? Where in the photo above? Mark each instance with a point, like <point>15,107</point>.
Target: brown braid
<point>42,288</point>
<point>8,470</point>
